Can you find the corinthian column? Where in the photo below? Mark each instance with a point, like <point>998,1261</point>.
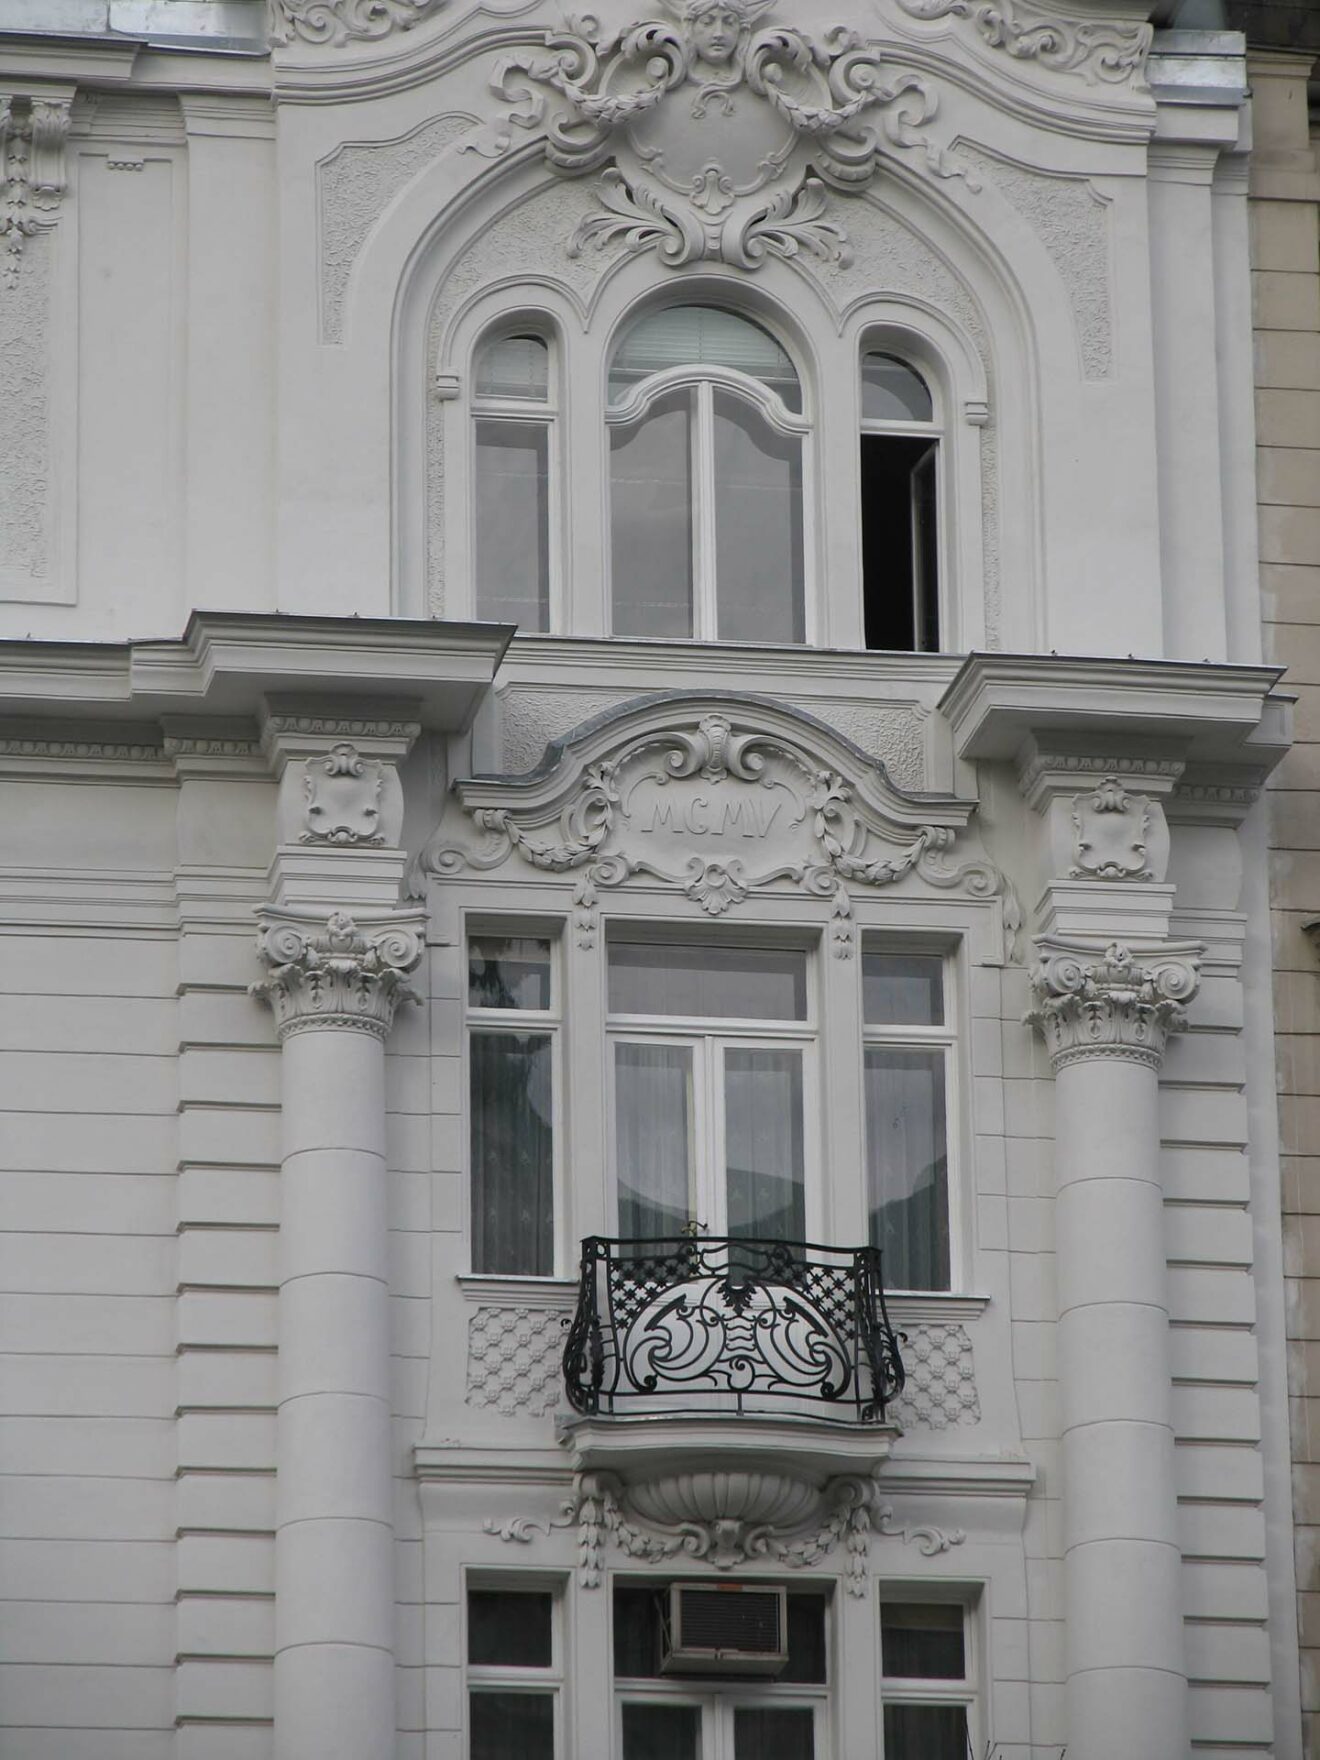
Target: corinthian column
<point>1106,1017</point>
<point>334,988</point>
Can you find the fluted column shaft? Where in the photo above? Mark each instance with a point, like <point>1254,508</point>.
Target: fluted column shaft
<point>334,989</point>
<point>1106,1017</point>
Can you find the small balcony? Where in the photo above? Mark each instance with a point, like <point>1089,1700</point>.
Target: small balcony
<point>731,1328</point>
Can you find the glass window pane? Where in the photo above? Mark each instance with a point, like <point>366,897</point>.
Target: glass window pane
<point>513,522</point>
<point>907,1166</point>
<point>892,391</point>
<point>702,336</point>
<point>638,1624</point>
<point>509,1628</point>
<point>925,1732</point>
<point>806,1639</point>
<point>653,1136</point>
<point>778,1732</point>
<point>651,520</point>
<point>758,526</point>
<point>763,1143</point>
<point>509,1725</point>
<point>508,971</point>
<point>661,1732</point>
<point>903,989</point>
<point>512,1153</point>
<point>514,366</point>
<point>729,983</point>
<point>923,1640</point>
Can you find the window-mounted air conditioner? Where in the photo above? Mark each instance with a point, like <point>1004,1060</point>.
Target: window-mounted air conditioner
<point>725,1628</point>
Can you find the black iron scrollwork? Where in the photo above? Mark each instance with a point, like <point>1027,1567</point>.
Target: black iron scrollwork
<point>731,1325</point>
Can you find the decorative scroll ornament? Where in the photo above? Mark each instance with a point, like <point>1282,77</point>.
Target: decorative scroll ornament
<point>335,21</point>
<point>717,809</point>
<point>1099,51</point>
<point>1110,829</point>
<point>33,132</point>
<point>337,975</point>
<point>1111,1004</point>
<point>723,137</point>
<point>343,792</point>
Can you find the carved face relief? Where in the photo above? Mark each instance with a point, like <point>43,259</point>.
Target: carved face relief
<point>715,34</point>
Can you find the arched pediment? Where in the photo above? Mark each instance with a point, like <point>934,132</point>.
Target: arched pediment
<point>715,795</point>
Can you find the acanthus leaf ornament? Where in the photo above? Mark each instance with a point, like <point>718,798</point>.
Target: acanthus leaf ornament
<point>337,21</point>
<point>33,134</point>
<point>1088,1002</point>
<point>1099,50</point>
<point>717,139</point>
<point>333,973</point>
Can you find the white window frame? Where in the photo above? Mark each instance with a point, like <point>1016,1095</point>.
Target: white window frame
<point>503,1678</point>
<point>915,1038</point>
<point>923,1690</point>
<point>710,1037</point>
<point>518,1022</point>
<point>527,412</point>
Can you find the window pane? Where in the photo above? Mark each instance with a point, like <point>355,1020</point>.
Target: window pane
<point>806,1640</point>
<point>892,391</point>
<point>651,520</point>
<point>729,983</point>
<point>906,1165</point>
<point>702,336</point>
<point>514,366</point>
<point>513,522</point>
<point>638,1623</point>
<point>925,1732</point>
<point>512,1150</point>
<point>661,1732</point>
<point>903,989</point>
<point>758,526</point>
<point>780,1732</point>
<point>653,1135</point>
<point>508,972</point>
<point>509,1628</point>
<point>512,1726</point>
<point>923,1640</point>
<point>763,1143</point>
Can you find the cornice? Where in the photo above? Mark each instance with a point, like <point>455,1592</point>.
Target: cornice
<point>583,660</point>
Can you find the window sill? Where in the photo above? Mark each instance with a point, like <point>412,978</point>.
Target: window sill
<point>933,1307</point>
<point>508,1290</point>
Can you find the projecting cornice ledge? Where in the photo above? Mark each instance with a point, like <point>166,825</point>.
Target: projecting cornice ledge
<point>228,663</point>
<point>1215,716</point>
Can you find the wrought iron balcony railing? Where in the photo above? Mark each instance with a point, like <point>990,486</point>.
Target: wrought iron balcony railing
<point>732,1326</point>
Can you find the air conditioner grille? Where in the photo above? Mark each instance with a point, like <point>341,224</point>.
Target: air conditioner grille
<point>747,1622</point>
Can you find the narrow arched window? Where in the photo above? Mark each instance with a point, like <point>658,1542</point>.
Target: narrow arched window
<point>706,501</point>
<point>900,514</point>
<point>513,430</point>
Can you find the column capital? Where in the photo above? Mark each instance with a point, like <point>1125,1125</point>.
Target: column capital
<point>331,973</point>
<point>1089,1001</point>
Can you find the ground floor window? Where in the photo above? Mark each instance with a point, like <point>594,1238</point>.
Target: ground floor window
<point>514,1673</point>
<point>927,1683</point>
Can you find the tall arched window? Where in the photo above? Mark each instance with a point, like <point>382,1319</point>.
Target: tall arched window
<point>706,439</point>
<point>513,421</point>
<point>900,522</point>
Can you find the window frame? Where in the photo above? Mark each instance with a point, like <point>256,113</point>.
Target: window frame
<point>548,413</point>
<point>930,1690</point>
<point>514,1022</point>
<point>897,1037</point>
<point>551,1682</point>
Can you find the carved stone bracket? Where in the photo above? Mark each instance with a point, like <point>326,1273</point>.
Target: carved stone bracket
<point>719,807</point>
<point>343,792</point>
<point>1110,830</point>
<point>1100,51</point>
<point>33,132</point>
<point>1087,1003</point>
<point>726,1520</point>
<point>723,137</point>
<point>335,974</point>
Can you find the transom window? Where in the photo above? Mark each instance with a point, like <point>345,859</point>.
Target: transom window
<point>706,480</point>
<point>514,421</point>
<point>713,1075</point>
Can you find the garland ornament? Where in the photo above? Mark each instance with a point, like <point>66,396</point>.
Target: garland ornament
<point>718,139</point>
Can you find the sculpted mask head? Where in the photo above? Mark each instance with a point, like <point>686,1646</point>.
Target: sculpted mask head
<point>716,28</point>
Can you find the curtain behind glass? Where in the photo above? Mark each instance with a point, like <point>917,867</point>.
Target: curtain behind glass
<point>763,1143</point>
<point>662,1732</point>
<point>513,522</point>
<point>758,526</point>
<point>926,1732</point>
<point>653,1137</point>
<point>512,1726</point>
<point>512,1153</point>
<point>906,1165</point>
<point>651,520</point>
<point>778,1732</point>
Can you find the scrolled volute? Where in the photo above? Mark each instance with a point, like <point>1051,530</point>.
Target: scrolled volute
<point>334,974</point>
<point>1088,1002</point>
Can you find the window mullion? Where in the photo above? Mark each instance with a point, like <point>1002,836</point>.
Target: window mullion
<point>704,535</point>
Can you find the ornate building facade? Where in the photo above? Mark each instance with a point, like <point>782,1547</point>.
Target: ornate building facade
<point>639,1015</point>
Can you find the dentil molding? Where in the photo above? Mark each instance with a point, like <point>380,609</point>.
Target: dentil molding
<point>333,974</point>
<point>720,138</point>
<point>1097,50</point>
<point>1087,1003</point>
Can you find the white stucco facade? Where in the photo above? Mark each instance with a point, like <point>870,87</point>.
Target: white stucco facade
<point>273,774</point>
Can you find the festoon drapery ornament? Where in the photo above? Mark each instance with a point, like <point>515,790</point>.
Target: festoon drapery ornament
<point>336,974</point>
<point>1116,1003</point>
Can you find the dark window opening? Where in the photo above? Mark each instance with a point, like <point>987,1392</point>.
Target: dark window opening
<point>900,584</point>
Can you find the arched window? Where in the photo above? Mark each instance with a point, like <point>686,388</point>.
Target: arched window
<point>513,421</point>
<point>900,519</point>
<point>706,441</point>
